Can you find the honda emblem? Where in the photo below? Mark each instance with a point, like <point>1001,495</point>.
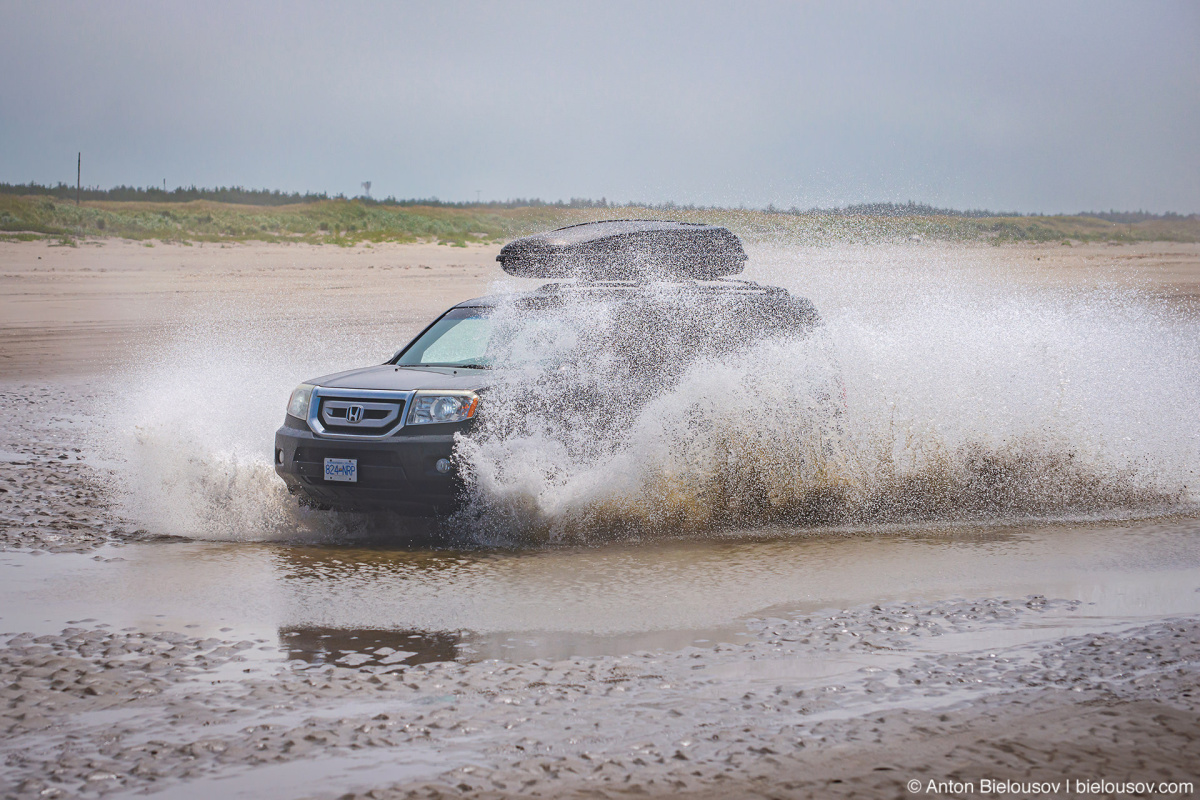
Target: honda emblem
<point>354,414</point>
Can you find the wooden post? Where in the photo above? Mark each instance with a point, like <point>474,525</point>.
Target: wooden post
<point>78,176</point>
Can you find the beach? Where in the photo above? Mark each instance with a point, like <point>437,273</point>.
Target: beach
<point>175,625</point>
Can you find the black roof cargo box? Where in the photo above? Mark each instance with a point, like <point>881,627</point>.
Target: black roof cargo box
<point>624,250</point>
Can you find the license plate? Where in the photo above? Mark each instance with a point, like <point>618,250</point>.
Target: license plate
<point>341,469</point>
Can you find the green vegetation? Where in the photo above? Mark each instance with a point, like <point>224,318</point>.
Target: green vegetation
<point>343,222</point>
<point>350,222</point>
<point>258,197</point>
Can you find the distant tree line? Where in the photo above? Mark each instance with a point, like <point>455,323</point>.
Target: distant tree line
<point>1130,217</point>
<point>267,197</point>
<point>516,202</point>
<point>909,209</point>
<point>912,209</point>
<point>151,194</point>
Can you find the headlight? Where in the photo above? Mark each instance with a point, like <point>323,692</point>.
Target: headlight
<point>435,407</point>
<point>298,402</point>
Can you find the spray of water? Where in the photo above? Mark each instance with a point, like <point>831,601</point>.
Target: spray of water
<point>926,394</point>
<point>190,429</point>
<point>963,400</point>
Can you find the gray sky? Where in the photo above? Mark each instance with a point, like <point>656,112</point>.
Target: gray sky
<point>1039,106</point>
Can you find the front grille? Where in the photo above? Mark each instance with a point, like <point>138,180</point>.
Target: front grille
<point>365,416</point>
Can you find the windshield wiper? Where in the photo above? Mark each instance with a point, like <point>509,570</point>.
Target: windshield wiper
<point>451,366</point>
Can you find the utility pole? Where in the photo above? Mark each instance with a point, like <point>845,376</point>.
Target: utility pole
<point>78,176</point>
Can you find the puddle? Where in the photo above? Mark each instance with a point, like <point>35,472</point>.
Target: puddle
<point>385,606</point>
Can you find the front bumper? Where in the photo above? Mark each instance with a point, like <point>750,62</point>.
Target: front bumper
<point>397,472</point>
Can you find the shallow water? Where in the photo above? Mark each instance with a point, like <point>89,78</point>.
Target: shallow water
<point>425,603</point>
<point>967,397</point>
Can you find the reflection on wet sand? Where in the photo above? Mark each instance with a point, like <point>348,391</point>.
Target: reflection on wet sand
<point>367,648</point>
<point>471,605</point>
<point>605,600</point>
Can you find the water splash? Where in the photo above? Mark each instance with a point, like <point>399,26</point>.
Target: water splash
<point>190,429</point>
<point>963,401</point>
<point>965,398</point>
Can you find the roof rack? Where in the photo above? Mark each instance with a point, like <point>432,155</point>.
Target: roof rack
<point>708,286</point>
<point>626,250</point>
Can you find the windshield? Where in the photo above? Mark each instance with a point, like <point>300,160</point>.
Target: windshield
<point>642,329</point>
<point>480,338</point>
<point>459,339</point>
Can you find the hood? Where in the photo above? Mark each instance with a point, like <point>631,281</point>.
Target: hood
<point>404,379</point>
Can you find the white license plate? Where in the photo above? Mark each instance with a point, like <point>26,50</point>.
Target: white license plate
<point>341,469</point>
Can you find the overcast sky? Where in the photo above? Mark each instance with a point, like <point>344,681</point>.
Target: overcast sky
<point>1039,106</point>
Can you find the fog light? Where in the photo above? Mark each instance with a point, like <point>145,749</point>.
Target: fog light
<point>443,465</point>
<point>278,456</point>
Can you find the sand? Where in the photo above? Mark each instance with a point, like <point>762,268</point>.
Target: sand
<point>78,310</point>
<point>93,711</point>
<point>853,701</point>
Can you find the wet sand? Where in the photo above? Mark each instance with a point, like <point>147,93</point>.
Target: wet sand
<point>763,663</point>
